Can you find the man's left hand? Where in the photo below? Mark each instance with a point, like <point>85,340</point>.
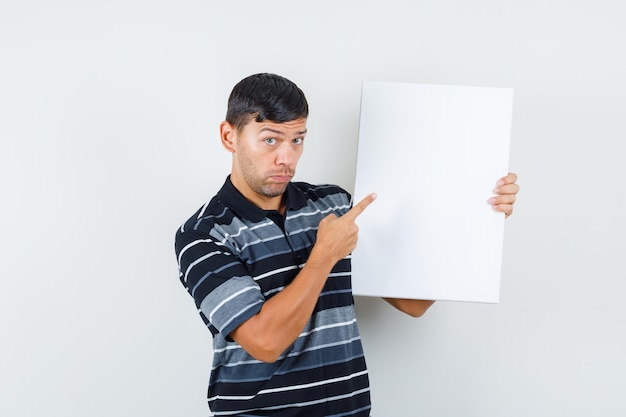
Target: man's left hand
<point>505,192</point>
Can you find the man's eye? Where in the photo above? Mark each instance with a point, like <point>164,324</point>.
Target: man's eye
<point>270,141</point>
<point>298,141</point>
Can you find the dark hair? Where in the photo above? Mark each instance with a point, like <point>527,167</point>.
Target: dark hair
<point>265,97</point>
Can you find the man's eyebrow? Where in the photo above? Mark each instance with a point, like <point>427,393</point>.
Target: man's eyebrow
<point>278,132</point>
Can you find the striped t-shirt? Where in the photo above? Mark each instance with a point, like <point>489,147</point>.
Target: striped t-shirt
<point>233,256</point>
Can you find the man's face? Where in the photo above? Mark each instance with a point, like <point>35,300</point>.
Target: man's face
<point>265,156</point>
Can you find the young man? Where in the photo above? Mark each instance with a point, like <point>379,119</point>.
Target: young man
<point>267,262</point>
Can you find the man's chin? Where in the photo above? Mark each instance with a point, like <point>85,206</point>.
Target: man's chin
<point>275,190</point>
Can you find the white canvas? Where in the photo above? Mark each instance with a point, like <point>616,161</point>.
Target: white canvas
<point>433,154</point>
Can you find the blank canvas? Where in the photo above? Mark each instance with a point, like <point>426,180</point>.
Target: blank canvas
<point>433,154</point>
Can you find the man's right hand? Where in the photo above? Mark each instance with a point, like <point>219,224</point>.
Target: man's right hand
<point>337,236</point>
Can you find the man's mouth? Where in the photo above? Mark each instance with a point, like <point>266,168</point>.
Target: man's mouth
<point>281,177</point>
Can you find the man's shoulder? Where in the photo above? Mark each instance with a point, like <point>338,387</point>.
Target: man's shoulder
<point>320,190</point>
<point>320,197</point>
<point>210,213</point>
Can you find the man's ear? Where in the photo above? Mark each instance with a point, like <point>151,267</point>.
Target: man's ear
<point>228,136</point>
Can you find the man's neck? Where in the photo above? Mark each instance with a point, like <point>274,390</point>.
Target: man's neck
<point>277,203</point>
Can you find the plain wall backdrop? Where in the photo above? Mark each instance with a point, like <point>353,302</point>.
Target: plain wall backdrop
<point>109,116</point>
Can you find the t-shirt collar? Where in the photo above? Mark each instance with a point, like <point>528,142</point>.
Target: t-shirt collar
<point>231,197</point>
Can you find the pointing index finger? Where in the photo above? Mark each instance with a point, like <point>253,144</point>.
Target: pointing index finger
<point>360,207</point>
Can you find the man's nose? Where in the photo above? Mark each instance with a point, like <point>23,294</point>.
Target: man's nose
<point>286,154</point>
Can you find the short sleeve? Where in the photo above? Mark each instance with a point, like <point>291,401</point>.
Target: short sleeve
<point>217,280</point>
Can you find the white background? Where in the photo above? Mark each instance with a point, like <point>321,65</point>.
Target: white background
<point>108,141</point>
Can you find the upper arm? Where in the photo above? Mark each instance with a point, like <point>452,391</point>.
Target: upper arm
<point>218,281</point>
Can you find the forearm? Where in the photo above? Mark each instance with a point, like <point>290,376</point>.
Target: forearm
<point>414,308</point>
<point>282,318</point>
